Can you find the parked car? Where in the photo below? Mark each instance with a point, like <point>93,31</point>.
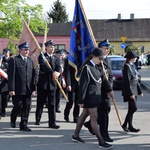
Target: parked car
<point>116,66</point>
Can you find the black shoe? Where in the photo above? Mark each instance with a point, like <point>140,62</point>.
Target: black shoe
<point>37,123</point>
<point>66,119</point>
<point>13,125</point>
<point>108,139</point>
<point>75,120</point>
<point>58,111</point>
<point>77,139</point>
<point>105,145</point>
<point>125,128</point>
<point>54,126</point>
<point>4,115</point>
<point>19,115</point>
<point>25,129</point>
<point>134,130</point>
<point>87,125</point>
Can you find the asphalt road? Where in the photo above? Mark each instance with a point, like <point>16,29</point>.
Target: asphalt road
<point>44,138</point>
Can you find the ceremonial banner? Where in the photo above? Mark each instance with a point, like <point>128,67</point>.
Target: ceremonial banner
<point>82,41</point>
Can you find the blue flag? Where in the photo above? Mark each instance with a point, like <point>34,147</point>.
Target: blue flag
<point>81,43</point>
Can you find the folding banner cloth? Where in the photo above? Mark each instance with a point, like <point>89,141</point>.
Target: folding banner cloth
<point>3,74</point>
<point>82,41</point>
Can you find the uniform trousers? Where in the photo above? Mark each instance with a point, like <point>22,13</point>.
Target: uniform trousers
<point>5,98</point>
<point>73,98</point>
<point>103,117</point>
<point>58,95</point>
<point>21,104</point>
<point>42,96</point>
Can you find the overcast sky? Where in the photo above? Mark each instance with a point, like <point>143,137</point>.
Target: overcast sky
<point>103,9</point>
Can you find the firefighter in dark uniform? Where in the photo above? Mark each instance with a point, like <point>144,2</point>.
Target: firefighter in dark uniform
<point>46,86</point>
<point>60,54</point>
<point>131,89</point>
<point>72,91</point>
<point>91,80</point>
<point>105,106</point>
<point>21,74</point>
<point>6,56</point>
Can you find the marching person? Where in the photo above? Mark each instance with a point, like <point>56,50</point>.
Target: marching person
<point>91,80</point>
<point>4,87</point>
<point>21,74</point>
<point>46,86</point>
<point>105,107</point>
<point>72,91</point>
<point>6,56</point>
<point>60,54</point>
<point>131,89</point>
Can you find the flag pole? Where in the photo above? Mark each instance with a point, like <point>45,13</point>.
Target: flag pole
<point>88,24</point>
<point>113,99</point>
<point>45,37</point>
<point>93,39</point>
<point>45,34</point>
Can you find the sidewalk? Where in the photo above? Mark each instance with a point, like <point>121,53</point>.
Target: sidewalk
<point>145,77</point>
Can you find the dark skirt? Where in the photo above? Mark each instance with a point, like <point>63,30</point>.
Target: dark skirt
<point>90,105</point>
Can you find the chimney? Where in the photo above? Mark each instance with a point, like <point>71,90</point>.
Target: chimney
<point>119,17</point>
<point>131,16</point>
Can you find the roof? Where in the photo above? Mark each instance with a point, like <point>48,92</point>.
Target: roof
<point>113,29</point>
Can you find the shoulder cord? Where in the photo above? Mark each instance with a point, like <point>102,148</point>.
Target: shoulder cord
<point>89,71</point>
<point>132,72</point>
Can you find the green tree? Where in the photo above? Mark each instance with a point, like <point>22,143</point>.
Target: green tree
<point>11,22</point>
<point>58,12</point>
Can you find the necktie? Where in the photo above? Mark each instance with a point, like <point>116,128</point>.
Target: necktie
<point>25,60</point>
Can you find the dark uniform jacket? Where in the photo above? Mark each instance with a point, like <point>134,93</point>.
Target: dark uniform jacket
<point>107,66</point>
<point>21,76</point>
<point>130,81</point>
<point>4,82</point>
<point>5,59</point>
<point>69,73</point>
<point>89,89</point>
<point>45,74</point>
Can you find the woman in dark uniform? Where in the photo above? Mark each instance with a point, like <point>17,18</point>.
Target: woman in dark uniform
<point>131,89</point>
<point>90,95</point>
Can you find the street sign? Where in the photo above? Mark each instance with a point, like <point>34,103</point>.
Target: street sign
<point>123,38</point>
<point>123,45</point>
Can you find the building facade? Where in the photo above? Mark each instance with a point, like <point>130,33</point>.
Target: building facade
<point>136,32</point>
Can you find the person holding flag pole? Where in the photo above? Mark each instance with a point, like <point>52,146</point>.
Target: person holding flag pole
<point>82,41</point>
<point>91,80</point>
<point>35,50</point>
<point>46,87</point>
